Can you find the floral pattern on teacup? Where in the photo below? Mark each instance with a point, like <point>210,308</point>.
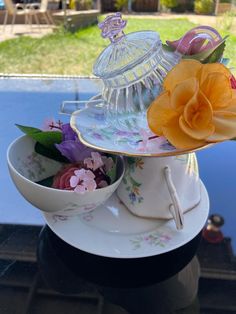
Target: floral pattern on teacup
<point>72,207</point>
<point>132,185</point>
<point>32,166</point>
<point>57,218</point>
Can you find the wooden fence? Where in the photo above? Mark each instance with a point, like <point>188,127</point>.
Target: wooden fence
<point>145,5</point>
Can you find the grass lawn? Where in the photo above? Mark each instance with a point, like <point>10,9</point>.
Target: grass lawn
<point>74,54</point>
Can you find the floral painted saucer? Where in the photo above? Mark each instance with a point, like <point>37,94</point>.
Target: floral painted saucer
<point>95,131</point>
<point>112,231</point>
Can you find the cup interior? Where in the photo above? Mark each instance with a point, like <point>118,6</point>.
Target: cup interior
<point>34,167</point>
<point>30,165</point>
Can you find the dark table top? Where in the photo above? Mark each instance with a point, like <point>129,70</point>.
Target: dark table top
<point>42,274</point>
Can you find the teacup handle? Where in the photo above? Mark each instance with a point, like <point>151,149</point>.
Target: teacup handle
<point>69,106</point>
<point>175,207</point>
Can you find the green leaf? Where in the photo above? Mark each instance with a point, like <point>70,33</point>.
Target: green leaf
<point>51,153</point>
<point>28,130</point>
<point>130,160</point>
<point>46,138</point>
<point>211,55</point>
<point>135,183</point>
<point>46,182</point>
<point>216,55</point>
<point>112,172</point>
<point>168,48</point>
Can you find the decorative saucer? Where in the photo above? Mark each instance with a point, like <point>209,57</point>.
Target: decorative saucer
<point>112,231</point>
<point>95,131</point>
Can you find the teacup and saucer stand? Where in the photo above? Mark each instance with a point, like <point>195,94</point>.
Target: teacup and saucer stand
<point>160,203</point>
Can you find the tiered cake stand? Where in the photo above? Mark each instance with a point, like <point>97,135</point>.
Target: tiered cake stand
<point>111,230</point>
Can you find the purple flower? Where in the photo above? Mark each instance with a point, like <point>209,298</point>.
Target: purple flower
<point>74,151</point>
<point>71,147</point>
<point>132,197</point>
<point>68,133</point>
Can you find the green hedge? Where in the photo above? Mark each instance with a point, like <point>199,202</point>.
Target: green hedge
<point>203,6</point>
<point>169,4</point>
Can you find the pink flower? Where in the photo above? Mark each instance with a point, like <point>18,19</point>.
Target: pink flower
<point>198,39</point>
<point>142,146</point>
<point>83,181</point>
<point>149,141</point>
<point>51,125</point>
<point>95,162</point>
<point>108,163</point>
<point>62,179</point>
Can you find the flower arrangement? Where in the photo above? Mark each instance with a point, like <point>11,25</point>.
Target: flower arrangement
<point>197,105</point>
<point>83,169</point>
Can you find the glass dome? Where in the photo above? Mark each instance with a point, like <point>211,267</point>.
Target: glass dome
<point>132,69</point>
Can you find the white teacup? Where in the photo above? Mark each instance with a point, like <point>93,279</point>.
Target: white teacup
<point>161,188</point>
<point>27,167</point>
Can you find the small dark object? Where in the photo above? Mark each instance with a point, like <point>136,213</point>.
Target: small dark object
<point>212,232</point>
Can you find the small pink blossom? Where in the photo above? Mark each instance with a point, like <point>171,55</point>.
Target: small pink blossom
<point>83,181</point>
<point>149,141</point>
<point>145,137</point>
<point>108,163</point>
<point>50,124</point>
<point>95,162</point>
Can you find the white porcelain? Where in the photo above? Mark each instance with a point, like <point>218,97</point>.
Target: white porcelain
<point>112,231</point>
<point>95,131</point>
<point>27,167</point>
<point>161,188</point>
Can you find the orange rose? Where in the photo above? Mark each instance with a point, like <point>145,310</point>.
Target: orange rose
<point>197,106</point>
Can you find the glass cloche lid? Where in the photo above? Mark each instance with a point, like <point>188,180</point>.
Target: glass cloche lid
<point>125,51</point>
<point>132,69</point>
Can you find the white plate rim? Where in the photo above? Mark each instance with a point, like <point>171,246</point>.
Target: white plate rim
<point>197,217</point>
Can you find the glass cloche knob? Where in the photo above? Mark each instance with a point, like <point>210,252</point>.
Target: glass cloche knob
<point>112,27</point>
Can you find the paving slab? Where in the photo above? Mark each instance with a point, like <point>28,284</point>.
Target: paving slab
<point>24,30</point>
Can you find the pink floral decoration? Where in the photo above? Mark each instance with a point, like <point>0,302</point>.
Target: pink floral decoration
<point>95,162</point>
<point>198,39</point>
<point>145,137</point>
<point>108,163</point>
<point>50,124</point>
<point>149,141</point>
<point>62,179</point>
<point>83,181</point>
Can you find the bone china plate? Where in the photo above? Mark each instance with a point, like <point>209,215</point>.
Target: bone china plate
<point>112,231</point>
<point>95,131</point>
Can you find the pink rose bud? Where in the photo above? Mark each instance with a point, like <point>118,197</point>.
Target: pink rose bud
<point>62,179</point>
